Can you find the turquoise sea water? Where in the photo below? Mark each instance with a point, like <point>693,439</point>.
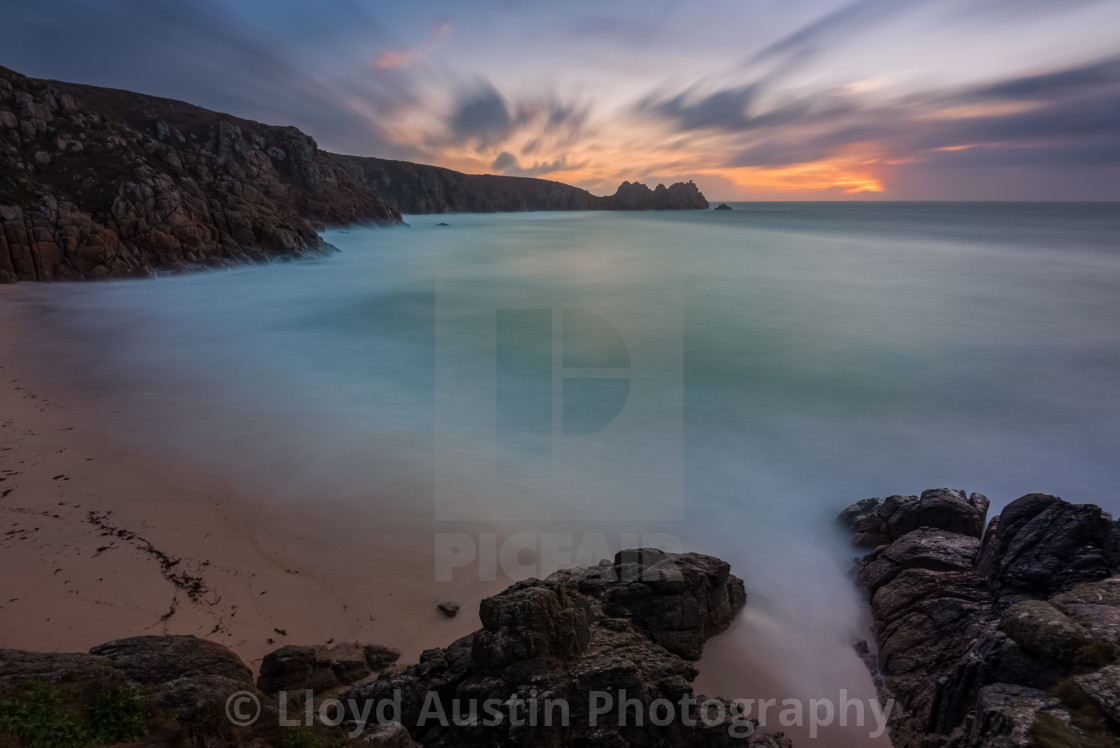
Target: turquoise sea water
<point>729,380</point>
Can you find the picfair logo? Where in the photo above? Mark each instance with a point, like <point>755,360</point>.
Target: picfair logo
<point>552,408</point>
<point>592,375</point>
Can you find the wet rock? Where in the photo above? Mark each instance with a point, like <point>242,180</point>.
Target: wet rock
<point>1103,689</point>
<point>1045,632</point>
<point>159,659</point>
<point>321,667</point>
<point>977,637</point>
<point>17,666</point>
<point>875,522</point>
<point>380,657</point>
<point>183,673</point>
<point>449,609</point>
<point>607,628</point>
<point>1042,545</point>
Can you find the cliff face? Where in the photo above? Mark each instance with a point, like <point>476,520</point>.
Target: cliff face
<point>416,188</point>
<point>98,183</point>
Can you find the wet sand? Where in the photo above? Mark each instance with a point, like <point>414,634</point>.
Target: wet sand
<point>99,541</point>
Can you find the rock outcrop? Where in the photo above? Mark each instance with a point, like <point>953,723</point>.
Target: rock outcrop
<point>1010,640</point>
<point>637,196</point>
<point>183,673</point>
<point>323,667</point>
<point>552,652</point>
<point>593,656</point>
<point>100,183</point>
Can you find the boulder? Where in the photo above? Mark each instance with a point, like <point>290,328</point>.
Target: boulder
<point>630,625</point>
<point>875,522</point>
<point>182,673</point>
<point>321,667</point>
<point>17,666</point>
<point>1102,687</point>
<point>1045,632</point>
<point>1042,546</point>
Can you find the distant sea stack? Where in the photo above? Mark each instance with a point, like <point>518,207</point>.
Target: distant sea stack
<point>722,206</point>
<point>102,183</point>
<point>637,196</point>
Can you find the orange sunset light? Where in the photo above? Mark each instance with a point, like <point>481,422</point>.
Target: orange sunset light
<point>808,177</point>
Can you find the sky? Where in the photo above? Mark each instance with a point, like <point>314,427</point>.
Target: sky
<point>751,99</point>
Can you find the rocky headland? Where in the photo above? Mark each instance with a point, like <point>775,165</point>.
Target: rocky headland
<point>101,183</point>
<point>630,628</point>
<point>1000,634</point>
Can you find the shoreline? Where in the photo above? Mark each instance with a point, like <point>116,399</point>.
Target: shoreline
<point>102,541</point>
<point>237,565</point>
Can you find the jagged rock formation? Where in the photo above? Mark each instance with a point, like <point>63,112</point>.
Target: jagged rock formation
<point>98,183</point>
<point>629,626</point>
<point>637,196</point>
<point>627,629</point>
<point>1008,641</point>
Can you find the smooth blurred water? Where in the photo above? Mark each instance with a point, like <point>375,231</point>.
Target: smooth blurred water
<point>785,360</point>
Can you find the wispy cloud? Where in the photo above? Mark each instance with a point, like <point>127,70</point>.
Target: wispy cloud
<point>390,59</point>
<point>821,97</point>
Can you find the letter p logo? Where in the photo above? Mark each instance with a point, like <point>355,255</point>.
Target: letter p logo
<point>577,414</point>
<point>527,377</point>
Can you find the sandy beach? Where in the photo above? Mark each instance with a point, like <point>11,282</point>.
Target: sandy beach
<point>101,542</point>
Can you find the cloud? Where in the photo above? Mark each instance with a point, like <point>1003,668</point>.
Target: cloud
<point>1086,78</point>
<point>482,116</point>
<point>725,110</point>
<point>810,38</point>
<point>1068,116</point>
<point>391,59</point>
<point>504,160</point>
<point>208,54</point>
<point>506,163</point>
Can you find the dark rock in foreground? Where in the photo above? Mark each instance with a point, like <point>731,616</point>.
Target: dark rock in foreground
<point>1011,640</point>
<point>625,630</point>
<point>449,609</point>
<point>320,668</point>
<point>630,626</point>
<point>183,673</point>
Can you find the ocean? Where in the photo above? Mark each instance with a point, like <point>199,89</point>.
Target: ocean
<point>523,391</point>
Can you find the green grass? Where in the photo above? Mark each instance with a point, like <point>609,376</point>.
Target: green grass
<point>1051,732</point>
<point>40,715</point>
<point>301,737</point>
<point>118,716</point>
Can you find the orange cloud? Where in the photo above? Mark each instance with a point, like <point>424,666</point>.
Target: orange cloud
<point>399,58</point>
<point>816,176</point>
<point>390,58</point>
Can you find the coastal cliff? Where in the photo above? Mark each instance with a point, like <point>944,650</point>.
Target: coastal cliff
<point>99,183</point>
<point>1007,637</point>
